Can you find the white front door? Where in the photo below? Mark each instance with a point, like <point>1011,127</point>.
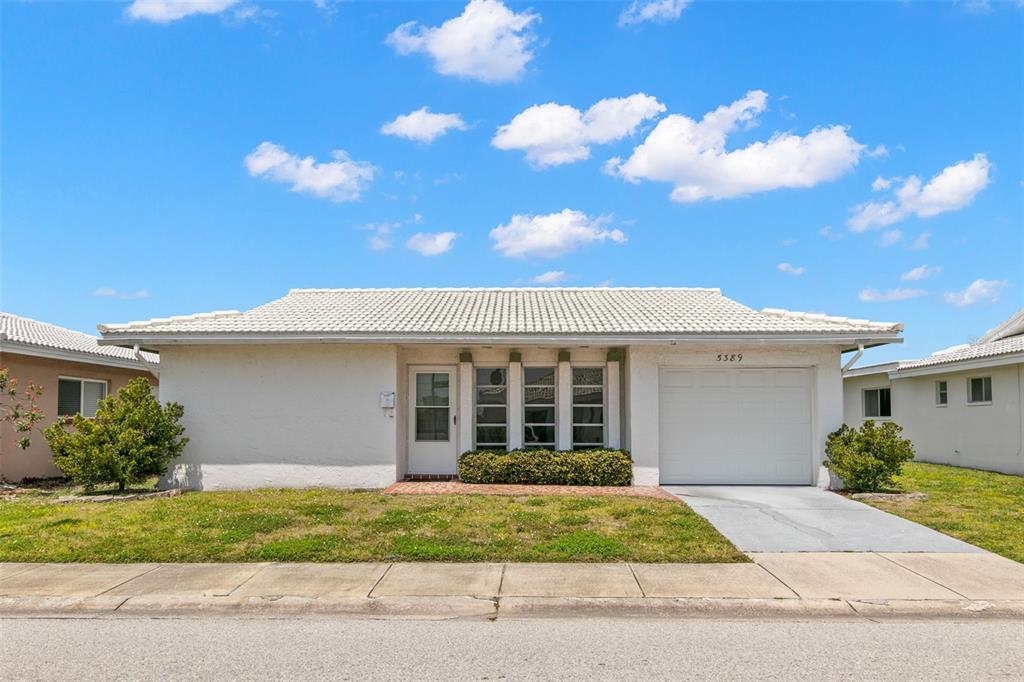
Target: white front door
<point>433,447</point>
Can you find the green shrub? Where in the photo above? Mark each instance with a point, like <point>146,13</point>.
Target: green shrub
<point>868,459</point>
<point>131,438</point>
<point>547,467</point>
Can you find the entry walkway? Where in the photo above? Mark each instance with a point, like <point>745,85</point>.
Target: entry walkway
<point>805,519</point>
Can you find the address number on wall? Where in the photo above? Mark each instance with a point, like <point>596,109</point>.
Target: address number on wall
<point>730,357</point>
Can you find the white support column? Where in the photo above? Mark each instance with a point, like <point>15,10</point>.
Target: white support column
<point>612,419</point>
<point>563,393</point>
<point>515,401</point>
<point>465,413</point>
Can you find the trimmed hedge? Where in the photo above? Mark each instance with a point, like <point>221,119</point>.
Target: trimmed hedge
<point>547,467</point>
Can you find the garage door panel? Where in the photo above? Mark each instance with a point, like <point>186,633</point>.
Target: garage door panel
<point>735,426</point>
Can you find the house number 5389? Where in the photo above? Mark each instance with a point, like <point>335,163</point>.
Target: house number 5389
<point>730,357</point>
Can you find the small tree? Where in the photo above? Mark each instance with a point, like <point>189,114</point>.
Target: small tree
<point>131,438</point>
<point>868,459</point>
<point>21,411</point>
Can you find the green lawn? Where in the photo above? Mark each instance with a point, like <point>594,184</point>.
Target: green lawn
<point>980,507</point>
<point>333,525</point>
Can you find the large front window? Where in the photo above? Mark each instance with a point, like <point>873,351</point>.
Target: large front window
<point>491,408</point>
<point>587,407</point>
<point>539,407</point>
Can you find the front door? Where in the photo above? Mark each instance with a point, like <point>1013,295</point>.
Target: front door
<point>432,435</point>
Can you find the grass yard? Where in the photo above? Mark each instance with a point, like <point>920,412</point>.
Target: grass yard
<point>980,507</point>
<point>333,525</point>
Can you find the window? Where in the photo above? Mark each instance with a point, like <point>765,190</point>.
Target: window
<point>979,390</point>
<point>433,406</point>
<point>587,407</point>
<point>491,408</point>
<point>877,403</point>
<point>539,407</point>
<point>83,396</point>
<point>941,394</point>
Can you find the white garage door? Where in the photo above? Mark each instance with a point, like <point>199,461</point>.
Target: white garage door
<point>735,426</point>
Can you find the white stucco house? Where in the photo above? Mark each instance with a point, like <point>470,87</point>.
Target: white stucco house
<point>362,387</point>
<point>962,405</point>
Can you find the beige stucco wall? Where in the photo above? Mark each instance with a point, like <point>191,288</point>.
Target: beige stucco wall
<point>642,380</point>
<point>37,460</point>
<point>976,436</point>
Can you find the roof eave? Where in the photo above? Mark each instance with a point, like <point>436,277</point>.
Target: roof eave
<point>33,350</point>
<point>964,365</point>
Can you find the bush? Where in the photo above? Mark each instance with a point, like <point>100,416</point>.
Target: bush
<point>547,467</point>
<point>868,459</point>
<point>131,439</point>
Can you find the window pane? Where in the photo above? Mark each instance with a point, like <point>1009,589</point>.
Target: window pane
<point>539,395</point>
<point>539,375</point>
<point>590,395</point>
<point>95,391</point>
<point>490,436</point>
<point>69,396</point>
<point>588,415</point>
<point>431,423</point>
<point>871,403</point>
<point>941,395</point>
<point>539,435</point>
<point>981,390</point>
<point>491,377</point>
<point>431,388</point>
<point>490,415</point>
<point>987,391</point>
<point>588,435</point>
<point>539,415</point>
<point>885,406</point>
<point>584,376</point>
<point>490,395</point>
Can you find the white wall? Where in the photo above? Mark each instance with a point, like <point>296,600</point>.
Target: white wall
<point>282,415</point>
<point>976,436</point>
<point>642,392</point>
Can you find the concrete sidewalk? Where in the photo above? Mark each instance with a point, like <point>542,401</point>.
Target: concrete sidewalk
<point>776,585</point>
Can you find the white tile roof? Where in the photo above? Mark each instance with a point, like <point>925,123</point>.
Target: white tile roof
<point>22,330</point>
<point>466,313</point>
<point>973,351</point>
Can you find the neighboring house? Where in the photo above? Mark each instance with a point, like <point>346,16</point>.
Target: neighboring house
<point>963,405</point>
<point>360,387</point>
<point>75,373</point>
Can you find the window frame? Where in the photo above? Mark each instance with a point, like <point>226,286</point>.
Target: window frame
<point>604,405</point>
<point>970,392</point>
<point>477,445</point>
<point>941,393</point>
<point>554,405</point>
<point>864,402</point>
<point>82,381</point>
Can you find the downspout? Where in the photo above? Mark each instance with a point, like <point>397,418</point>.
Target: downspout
<point>146,363</point>
<point>848,365</point>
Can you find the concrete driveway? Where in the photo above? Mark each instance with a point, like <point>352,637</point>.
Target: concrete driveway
<point>805,519</point>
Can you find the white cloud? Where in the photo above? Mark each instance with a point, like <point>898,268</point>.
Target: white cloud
<point>789,242</point>
<point>791,269</point>
<point>878,152</point>
<point>549,277</point>
<point>693,156</point>
<point>340,180</point>
<point>553,134</point>
<point>110,292</point>
<point>658,11</point>
<point>431,243</point>
<point>487,42</point>
<point>166,11</point>
<point>423,125</point>
<point>552,235</point>
<point>881,183</point>
<point>890,237</point>
<point>920,242</point>
<point>952,189</point>
<point>920,272</point>
<point>978,291</point>
<point>381,239</point>
<point>876,296</point>
<point>829,233</point>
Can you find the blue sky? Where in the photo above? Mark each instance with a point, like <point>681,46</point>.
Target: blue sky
<point>160,160</point>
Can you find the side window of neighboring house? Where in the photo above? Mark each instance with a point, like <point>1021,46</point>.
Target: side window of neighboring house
<point>941,394</point>
<point>877,403</point>
<point>979,390</point>
<point>76,396</point>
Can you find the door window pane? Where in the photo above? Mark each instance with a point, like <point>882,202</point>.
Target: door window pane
<point>491,394</point>
<point>539,407</point>
<point>432,388</point>
<point>587,407</point>
<point>69,397</point>
<point>432,423</point>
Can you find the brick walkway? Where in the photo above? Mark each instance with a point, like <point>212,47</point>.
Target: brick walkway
<point>458,488</point>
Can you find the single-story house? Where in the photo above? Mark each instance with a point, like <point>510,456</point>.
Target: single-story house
<point>75,373</point>
<point>360,387</point>
<point>962,405</point>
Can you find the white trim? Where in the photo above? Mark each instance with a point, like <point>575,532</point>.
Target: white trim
<point>82,381</point>
<point>17,348</point>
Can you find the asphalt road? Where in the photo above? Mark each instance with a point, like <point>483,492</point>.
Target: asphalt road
<point>592,649</point>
